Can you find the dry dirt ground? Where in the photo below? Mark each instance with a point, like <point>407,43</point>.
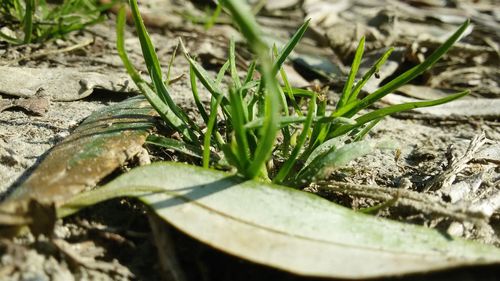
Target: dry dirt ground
<point>449,154</point>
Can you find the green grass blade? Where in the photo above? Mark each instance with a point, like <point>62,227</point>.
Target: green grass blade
<point>285,121</point>
<point>176,145</point>
<point>289,91</point>
<point>28,20</point>
<point>208,83</point>
<point>10,39</point>
<point>270,128</point>
<point>243,17</point>
<point>181,115</point>
<point>213,18</point>
<point>290,45</point>
<point>152,62</point>
<point>221,73</point>
<point>238,121</point>
<point>249,85</point>
<point>196,96</point>
<point>19,9</point>
<point>346,92</point>
<point>120,46</point>
<point>285,145</point>
<point>357,88</point>
<point>408,75</point>
<point>379,113</point>
<point>148,51</point>
<point>319,130</point>
<point>166,113</point>
<point>268,132</point>
<point>285,131</point>
<point>210,129</point>
<point>299,92</point>
<point>250,72</point>
<point>171,63</point>
<point>232,63</point>
<point>230,156</point>
<point>153,65</point>
<point>249,82</point>
<point>163,109</point>
<point>252,103</point>
<point>292,159</point>
<point>42,6</point>
<point>366,129</point>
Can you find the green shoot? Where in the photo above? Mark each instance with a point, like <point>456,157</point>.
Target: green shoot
<point>347,91</point>
<point>179,146</point>
<point>210,128</point>
<point>34,21</point>
<point>288,165</point>
<point>213,18</point>
<point>171,63</point>
<point>255,110</point>
<point>28,20</point>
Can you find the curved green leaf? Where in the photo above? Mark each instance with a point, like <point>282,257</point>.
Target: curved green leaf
<point>348,89</point>
<point>404,77</point>
<point>286,228</point>
<point>382,112</point>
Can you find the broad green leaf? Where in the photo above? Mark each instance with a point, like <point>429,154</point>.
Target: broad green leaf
<point>285,228</point>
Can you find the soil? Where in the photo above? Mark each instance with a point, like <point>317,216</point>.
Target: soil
<point>115,240</point>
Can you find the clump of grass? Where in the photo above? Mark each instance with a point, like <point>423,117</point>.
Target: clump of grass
<point>35,21</point>
<point>256,110</point>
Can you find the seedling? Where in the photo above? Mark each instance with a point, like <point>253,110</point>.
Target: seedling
<point>33,21</point>
<point>256,111</point>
